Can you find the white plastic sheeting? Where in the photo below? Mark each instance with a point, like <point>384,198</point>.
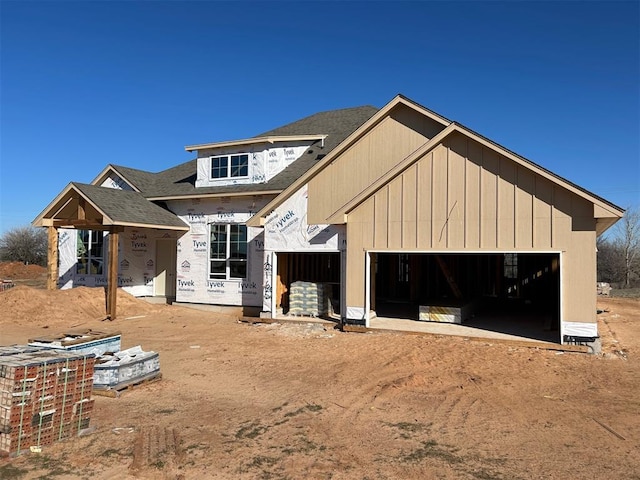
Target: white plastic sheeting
<point>580,329</point>
<point>193,282</point>
<point>136,255</point>
<point>136,260</point>
<point>117,182</point>
<point>286,230</point>
<point>125,366</point>
<point>265,161</point>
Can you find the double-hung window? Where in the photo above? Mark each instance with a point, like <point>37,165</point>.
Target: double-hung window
<point>230,166</point>
<point>90,252</point>
<point>228,251</point>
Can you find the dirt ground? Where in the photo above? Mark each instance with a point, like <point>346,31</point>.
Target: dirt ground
<point>294,401</point>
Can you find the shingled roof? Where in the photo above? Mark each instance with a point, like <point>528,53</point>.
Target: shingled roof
<point>180,180</point>
<point>107,207</point>
<point>125,207</point>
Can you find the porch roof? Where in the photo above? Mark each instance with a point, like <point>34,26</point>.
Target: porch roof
<point>86,206</point>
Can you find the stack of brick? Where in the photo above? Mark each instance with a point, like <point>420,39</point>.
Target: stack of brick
<point>308,298</point>
<point>6,285</point>
<point>45,396</point>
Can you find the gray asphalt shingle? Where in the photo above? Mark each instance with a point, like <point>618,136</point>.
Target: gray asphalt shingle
<point>125,206</point>
<point>133,207</point>
<point>180,180</point>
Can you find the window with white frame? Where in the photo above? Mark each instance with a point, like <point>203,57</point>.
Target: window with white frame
<point>227,251</point>
<point>90,252</point>
<point>230,166</point>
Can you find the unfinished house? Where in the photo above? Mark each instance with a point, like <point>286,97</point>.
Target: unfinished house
<point>181,234</point>
<point>439,224</point>
<point>357,215</point>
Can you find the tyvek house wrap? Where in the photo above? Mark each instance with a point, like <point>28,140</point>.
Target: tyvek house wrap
<point>286,230</point>
<point>136,260</point>
<point>193,282</point>
<point>264,163</point>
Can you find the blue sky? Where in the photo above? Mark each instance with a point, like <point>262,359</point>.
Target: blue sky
<point>85,84</point>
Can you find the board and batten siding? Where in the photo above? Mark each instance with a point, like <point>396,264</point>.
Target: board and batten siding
<point>395,138</point>
<point>461,196</point>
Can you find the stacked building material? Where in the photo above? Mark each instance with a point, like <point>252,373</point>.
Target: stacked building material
<point>83,340</point>
<point>45,396</point>
<point>114,369</point>
<point>444,313</point>
<point>308,298</point>
<point>125,367</point>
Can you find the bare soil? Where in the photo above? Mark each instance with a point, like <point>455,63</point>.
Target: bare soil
<point>292,401</point>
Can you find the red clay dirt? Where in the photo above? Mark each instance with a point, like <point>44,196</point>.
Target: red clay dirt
<point>292,401</point>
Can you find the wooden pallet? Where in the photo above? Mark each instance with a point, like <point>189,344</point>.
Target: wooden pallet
<point>117,390</point>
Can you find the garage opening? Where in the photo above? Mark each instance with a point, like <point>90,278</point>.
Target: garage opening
<point>305,278</point>
<point>514,293</point>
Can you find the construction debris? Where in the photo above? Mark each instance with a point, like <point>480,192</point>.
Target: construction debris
<point>603,288</point>
<point>46,386</point>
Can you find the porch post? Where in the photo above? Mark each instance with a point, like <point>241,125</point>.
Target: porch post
<point>112,273</point>
<point>52,258</point>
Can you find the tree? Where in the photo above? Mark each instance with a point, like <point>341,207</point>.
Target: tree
<point>627,232</point>
<point>609,261</point>
<point>24,244</point>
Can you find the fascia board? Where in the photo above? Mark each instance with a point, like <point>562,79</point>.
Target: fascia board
<point>214,195</point>
<point>258,219</point>
<point>543,172</point>
<point>600,211</point>
<point>339,215</point>
<point>255,140</point>
<point>423,110</point>
<point>39,220</point>
<point>105,173</point>
<point>148,225</point>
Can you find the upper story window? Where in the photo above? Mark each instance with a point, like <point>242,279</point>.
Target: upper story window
<point>230,166</point>
<point>90,254</point>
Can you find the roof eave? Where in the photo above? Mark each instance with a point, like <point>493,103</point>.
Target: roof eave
<point>259,218</point>
<point>255,140</point>
<point>39,221</point>
<point>189,196</point>
<point>102,176</point>
<point>609,210</point>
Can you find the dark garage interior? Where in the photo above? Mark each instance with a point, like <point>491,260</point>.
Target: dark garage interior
<point>515,293</point>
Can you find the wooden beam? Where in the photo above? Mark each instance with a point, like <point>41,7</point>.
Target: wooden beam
<point>449,276</point>
<point>112,273</point>
<point>282,276</point>
<point>84,224</point>
<point>81,208</point>
<point>52,258</point>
